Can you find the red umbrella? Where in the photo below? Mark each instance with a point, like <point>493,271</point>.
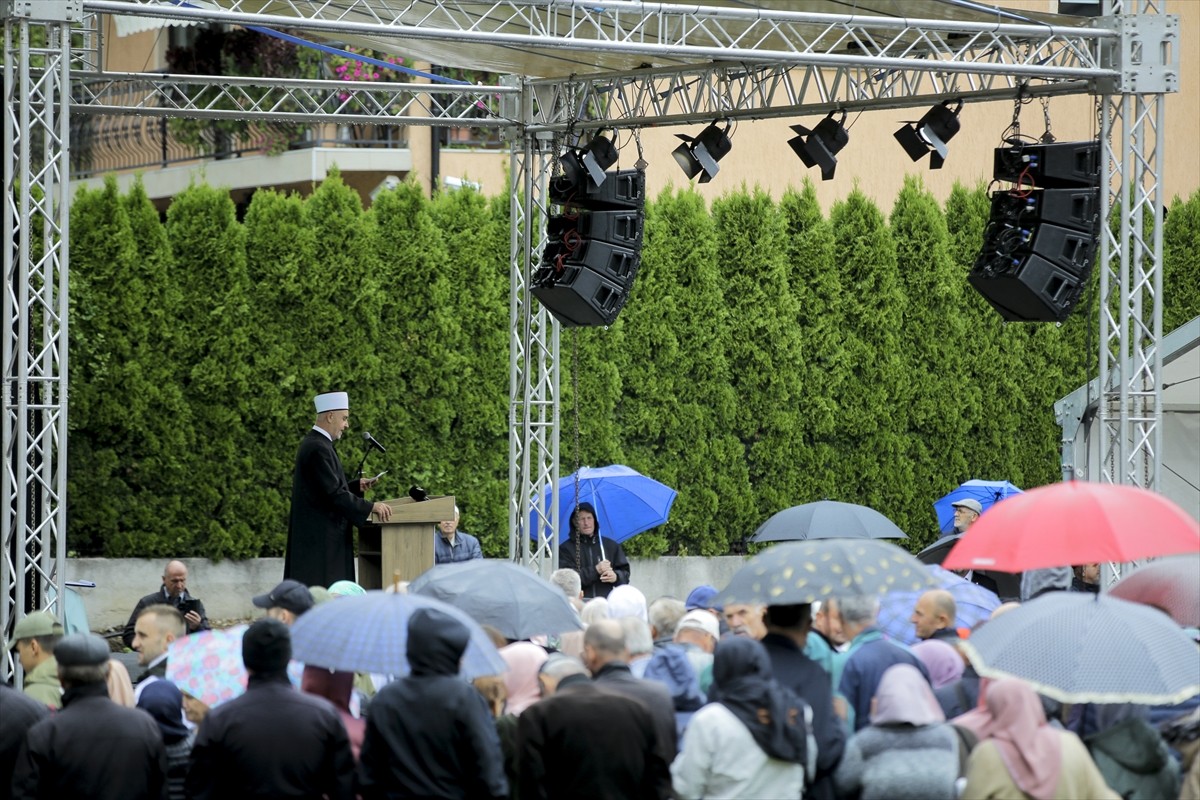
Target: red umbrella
<point>1078,522</point>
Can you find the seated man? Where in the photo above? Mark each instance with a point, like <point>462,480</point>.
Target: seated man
<point>174,593</point>
<point>450,545</point>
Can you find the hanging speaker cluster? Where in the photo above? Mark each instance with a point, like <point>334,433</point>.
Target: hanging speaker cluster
<point>595,243</point>
<point>1042,236</point>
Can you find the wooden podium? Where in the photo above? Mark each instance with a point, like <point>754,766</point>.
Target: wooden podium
<point>404,543</point>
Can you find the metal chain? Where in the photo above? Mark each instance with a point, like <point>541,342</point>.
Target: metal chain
<point>1047,136</point>
<point>575,444</point>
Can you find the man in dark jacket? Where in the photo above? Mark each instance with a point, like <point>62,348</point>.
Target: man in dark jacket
<point>18,714</point>
<point>430,734</point>
<point>174,593</point>
<point>93,748</point>
<point>604,655</point>
<point>601,562</point>
<point>869,656</point>
<point>273,741</point>
<point>561,755</point>
<point>320,544</point>
<point>787,633</point>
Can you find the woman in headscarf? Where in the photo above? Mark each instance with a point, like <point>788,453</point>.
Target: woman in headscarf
<point>336,687</point>
<point>943,661</point>
<point>600,561</point>
<point>752,739</point>
<point>524,660</point>
<point>908,750</point>
<point>1021,756</point>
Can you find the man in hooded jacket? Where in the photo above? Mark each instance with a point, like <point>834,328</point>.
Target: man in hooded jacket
<point>601,562</point>
<point>430,734</point>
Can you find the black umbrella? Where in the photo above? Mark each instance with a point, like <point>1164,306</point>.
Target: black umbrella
<point>804,572</point>
<point>936,552</point>
<point>827,519</point>
<point>514,600</point>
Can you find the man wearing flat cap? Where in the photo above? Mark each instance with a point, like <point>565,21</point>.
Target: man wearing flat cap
<point>94,747</point>
<point>320,546</point>
<point>34,638</point>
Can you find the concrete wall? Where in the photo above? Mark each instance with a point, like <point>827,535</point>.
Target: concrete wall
<point>226,587</point>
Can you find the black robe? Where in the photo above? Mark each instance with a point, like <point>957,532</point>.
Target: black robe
<point>320,545</point>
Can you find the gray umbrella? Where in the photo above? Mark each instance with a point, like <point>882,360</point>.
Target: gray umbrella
<point>804,572</point>
<point>1079,647</point>
<point>827,519</point>
<point>514,600</point>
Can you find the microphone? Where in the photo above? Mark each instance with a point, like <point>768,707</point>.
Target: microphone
<point>370,440</point>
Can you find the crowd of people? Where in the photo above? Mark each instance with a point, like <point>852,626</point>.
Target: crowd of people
<point>671,698</point>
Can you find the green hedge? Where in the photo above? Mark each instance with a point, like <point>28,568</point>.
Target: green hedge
<point>769,355</point>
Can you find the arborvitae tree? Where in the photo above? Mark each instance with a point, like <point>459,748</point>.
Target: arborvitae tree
<point>420,341</point>
<point>278,244</point>
<point>210,260</point>
<point>940,403</point>
<point>1181,263</point>
<point>476,234</point>
<point>872,459</point>
<point>763,347</point>
<point>815,283</point>
<point>677,414</point>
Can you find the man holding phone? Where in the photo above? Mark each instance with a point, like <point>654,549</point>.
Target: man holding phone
<point>174,593</point>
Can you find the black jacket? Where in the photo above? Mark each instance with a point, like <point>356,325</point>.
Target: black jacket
<point>18,714</point>
<point>616,677</point>
<point>430,734</point>
<point>320,545</point>
<point>273,741</point>
<point>589,556</point>
<point>586,742</point>
<point>92,748</point>
<point>805,677</point>
<point>162,598</point>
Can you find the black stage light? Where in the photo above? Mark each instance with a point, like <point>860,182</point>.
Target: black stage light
<point>701,153</point>
<point>819,146</point>
<point>599,155</point>
<point>931,133</point>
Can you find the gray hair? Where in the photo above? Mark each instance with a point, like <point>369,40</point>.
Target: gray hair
<point>606,636</point>
<point>858,609</point>
<point>568,580</point>
<point>559,666</point>
<point>637,636</point>
<point>665,613</point>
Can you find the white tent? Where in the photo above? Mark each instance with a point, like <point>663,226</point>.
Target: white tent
<point>1077,413</point>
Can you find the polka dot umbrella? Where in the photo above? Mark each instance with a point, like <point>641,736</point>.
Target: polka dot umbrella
<point>807,571</point>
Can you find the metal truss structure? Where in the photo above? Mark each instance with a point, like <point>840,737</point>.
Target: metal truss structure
<point>610,64</point>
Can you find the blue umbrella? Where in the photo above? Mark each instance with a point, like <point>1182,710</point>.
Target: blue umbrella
<point>973,604</point>
<point>369,633</point>
<point>626,501</point>
<point>988,493</point>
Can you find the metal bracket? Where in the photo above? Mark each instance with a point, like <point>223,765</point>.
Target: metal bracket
<point>1145,55</point>
<point>42,10</point>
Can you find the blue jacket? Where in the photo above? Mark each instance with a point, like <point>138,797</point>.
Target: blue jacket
<point>466,547</point>
<point>870,654</point>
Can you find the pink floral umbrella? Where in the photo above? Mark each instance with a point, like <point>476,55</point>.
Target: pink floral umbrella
<point>208,665</point>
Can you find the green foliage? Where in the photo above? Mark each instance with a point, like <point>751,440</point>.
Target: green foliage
<point>1181,263</point>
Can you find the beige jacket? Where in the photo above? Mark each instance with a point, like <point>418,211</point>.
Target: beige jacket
<point>988,778</point>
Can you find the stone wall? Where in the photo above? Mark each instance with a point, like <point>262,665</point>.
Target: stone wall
<point>226,587</point>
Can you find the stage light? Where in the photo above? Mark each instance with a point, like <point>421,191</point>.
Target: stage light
<point>931,133</point>
<point>819,146</point>
<point>591,160</point>
<point>701,153</point>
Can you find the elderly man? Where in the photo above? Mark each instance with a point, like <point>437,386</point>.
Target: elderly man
<point>155,629</point>
<point>273,741</point>
<point>35,637</point>
<point>93,748</point>
<point>606,656</point>
<point>746,620</point>
<point>320,543</point>
<point>286,602</point>
<point>450,545</point>
<point>430,733</point>
<point>868,657</point>
<point>934,615</point>
<point>966,511</point>
<point>174,593</point>
<point>559,756</point>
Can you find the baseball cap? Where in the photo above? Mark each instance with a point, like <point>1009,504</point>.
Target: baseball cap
<point>702,597</point>
<point>700,620</point>
<point>39,623</point>
<point>289,595</point>
<point>968,503</point>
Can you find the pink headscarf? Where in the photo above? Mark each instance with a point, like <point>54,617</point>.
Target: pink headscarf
<point>942,660</point>
<point>904,697</point>
<point>524,659</point>
<point>1013,719</point>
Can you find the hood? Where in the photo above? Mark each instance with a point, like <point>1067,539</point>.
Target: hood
<point>591,509</point>
<point>436,642</point>
<point>1133,744</point>
<point>671,667</point>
